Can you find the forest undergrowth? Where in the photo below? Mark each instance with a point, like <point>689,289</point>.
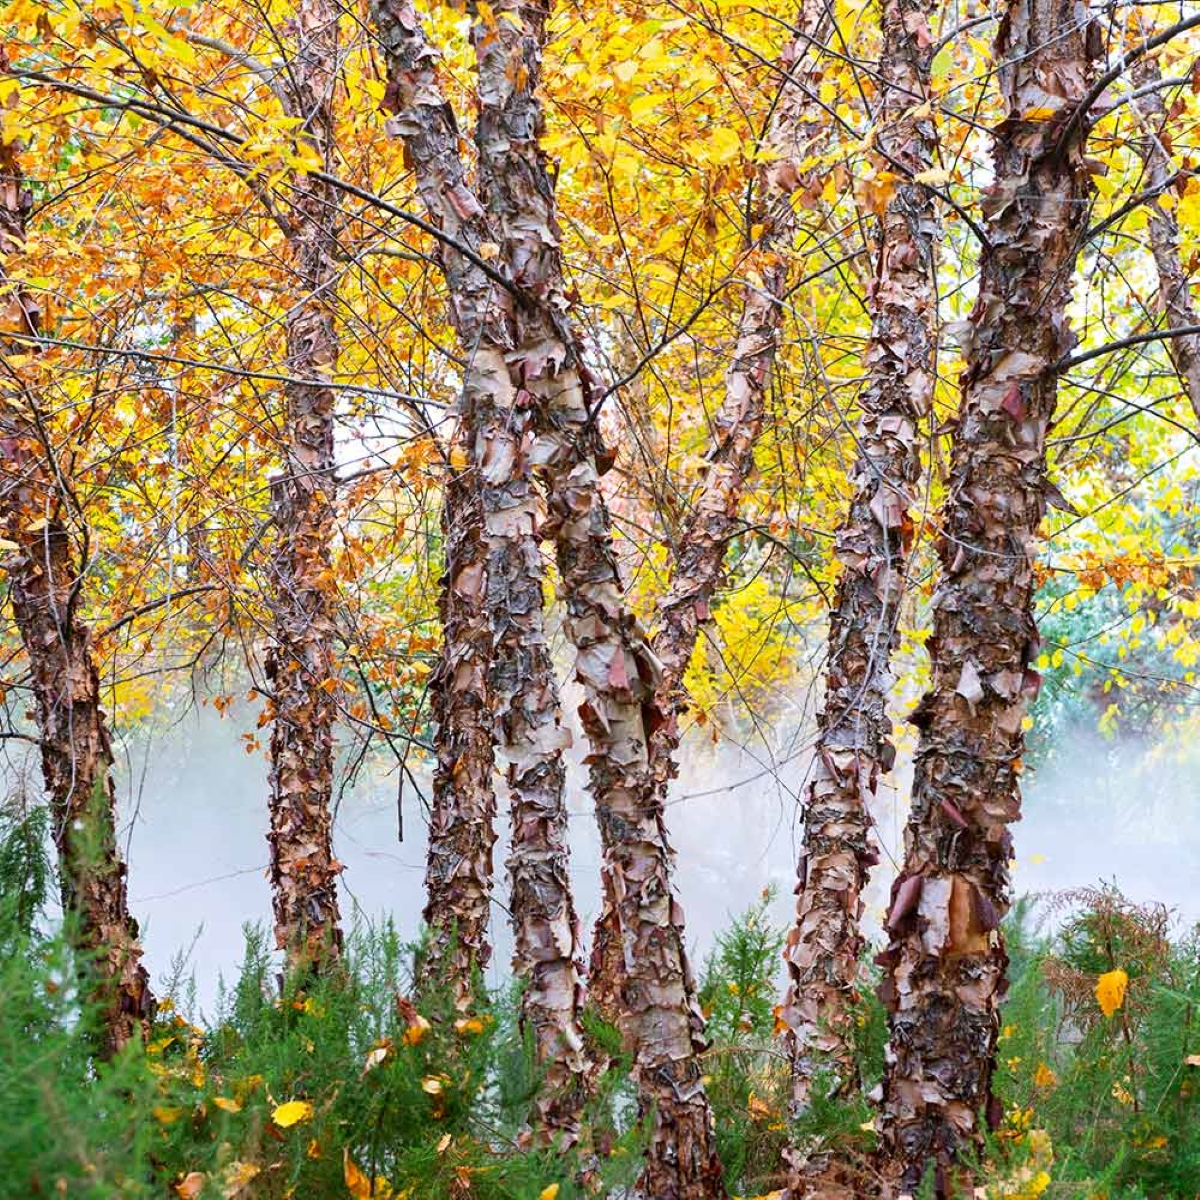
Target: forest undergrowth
<point>352,1086</point>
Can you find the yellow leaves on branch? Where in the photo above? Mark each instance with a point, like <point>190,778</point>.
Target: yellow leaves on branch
<point>1110,991</point>
<point>292,1113</point>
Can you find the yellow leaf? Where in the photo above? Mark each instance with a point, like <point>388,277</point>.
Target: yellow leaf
<point>360,1185</point>
<point>548,1193</point>
<point>226,1104</point>
<point>1039,114</point>
<point>292,1113</point>
<point>1043,1077</point>
<point>166,1115</point>
<point>238,1176</point>
<point>5,544</point>
<point>432,1085</point>
<point>1110,991</point>
<point>934,177</point>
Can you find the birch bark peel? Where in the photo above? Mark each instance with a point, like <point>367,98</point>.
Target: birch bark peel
<point>853,746</point>
<point>73,733</point>
<point>1174,286</point>
<point>301,663</point>
<point>614,663</point>
<point>462,833</point>
<point>497,424</point>
<point>945,963</point>
<point>462,825</point>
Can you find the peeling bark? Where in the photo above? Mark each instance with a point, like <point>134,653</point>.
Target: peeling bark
<point>700,549</point>
<point>1174,287</point>
<point>462,825</point>
<point>853,746</point>
<point>614,662</point>
<point>301,663</point>
<point>77,758</point>
<point>522,689</point>
<point>945,963</point>
<point>462,833</point>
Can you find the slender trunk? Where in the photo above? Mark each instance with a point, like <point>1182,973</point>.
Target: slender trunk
<point>301,664</point>
<point>44,582</point>
<point>700,549</point>
<point>522,688</point>
<point>614,662</point>
<point>945,963</point>
<point>1174,287</point>
<point>462,826</point>
<point>462,833</point>
<point>853,747</point>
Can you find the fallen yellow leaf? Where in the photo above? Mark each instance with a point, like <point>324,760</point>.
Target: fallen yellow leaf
<point>226,1104</point>
<point>1110,991</point>
<point>548,1193</point>
<point>1043,1077</point>
<point>292,1113</point>
<point>166,1115</point>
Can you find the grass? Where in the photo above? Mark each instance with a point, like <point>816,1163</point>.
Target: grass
<point>349,1087</point>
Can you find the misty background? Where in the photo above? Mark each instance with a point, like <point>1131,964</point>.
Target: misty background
<point>193,808</point>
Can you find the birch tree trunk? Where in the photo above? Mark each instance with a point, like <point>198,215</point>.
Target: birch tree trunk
<point>462,826</point>
<point>462,833</point>
<point>301,663</point>
<point>1174,287</point>
<point>945,963</point>
<point>44,584</point>
<point>521,684</point>
<point>853,746</point>
<point>698,560</point>
<point>614,662</point>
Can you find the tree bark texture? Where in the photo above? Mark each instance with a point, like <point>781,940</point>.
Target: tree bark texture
<point>698,561</point>
<point>44,584</point>
<point>614,663</point>
<point>301,664</point>
<point>522,687</point>
<point>853,746</point>
<point>462,833</point>
<point>945,962</point>
<point>1174,287</point>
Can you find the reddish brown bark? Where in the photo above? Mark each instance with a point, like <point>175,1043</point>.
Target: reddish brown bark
<point>853,747</point>
<point>462,825</point>
<point>458,873</point>
<point>1174,286</point>
<point>945,963</point>
<point>614,663</point>
<point>44,581</point>
<point>521,685</point>
<point>301,664</point>
<point>698,560</point>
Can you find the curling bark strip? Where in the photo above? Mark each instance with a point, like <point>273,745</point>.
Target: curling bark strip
<point>853,746</point>
<point>944,967</point>
<point>522,687</point>
<point>44,581</point>
<point>700,550</point>
<point>1174,287</point>
<point>614,664</point>
<point>458,874</point>
<point>301,664</point>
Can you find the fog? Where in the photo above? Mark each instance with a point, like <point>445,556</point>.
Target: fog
<point>194,818</point>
